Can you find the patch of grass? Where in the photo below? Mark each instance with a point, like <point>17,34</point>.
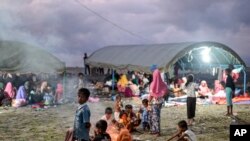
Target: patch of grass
<point>26,124</point>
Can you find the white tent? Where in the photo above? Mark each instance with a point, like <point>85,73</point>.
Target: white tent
<point>23,58</point>
<point>141,57</point>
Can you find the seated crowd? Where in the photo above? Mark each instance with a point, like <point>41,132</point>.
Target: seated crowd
<point>136,84</point>
<point>21,89</point>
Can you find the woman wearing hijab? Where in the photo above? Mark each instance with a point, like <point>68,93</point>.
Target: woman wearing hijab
<point>9,89</point>
<point>204,91</point>
<point>2,96</point>
<point>21,97</point>
<point>21,93</point>
<point>44,86</point>
<point>157,91</point>
<point>59,92</point>
<point>122,83</point>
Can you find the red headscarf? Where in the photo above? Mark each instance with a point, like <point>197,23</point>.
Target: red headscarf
<point>157,87</point>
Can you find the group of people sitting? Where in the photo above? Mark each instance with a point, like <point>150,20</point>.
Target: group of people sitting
<point>129,118</point>
<point>136,84</point>
<point>133,84</point>
<point>21,89</point>
<point>119,125</point>
<point>125,119</point>
<point>177,89</point>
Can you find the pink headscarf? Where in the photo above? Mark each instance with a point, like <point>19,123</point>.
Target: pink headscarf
<point>10,90</point>
<point>157,87</point>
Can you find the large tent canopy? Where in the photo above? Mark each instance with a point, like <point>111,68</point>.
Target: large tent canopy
<point>141,57</point>
<point>24,58</point>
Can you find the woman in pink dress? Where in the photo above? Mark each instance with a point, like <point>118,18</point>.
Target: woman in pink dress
<point>157,90</point>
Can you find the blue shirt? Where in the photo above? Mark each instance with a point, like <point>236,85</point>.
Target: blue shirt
<point>82,117</point>
<point>145,114</point>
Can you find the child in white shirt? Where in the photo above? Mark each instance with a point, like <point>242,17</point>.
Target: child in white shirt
<point>184,133</point>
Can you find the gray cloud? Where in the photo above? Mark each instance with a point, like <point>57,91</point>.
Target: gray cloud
<point>67,29</point>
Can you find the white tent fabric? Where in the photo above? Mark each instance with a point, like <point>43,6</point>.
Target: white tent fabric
<point>141,57</point>
<point>23,58</point>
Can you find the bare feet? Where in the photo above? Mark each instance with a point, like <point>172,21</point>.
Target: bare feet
<point>155,133</point>
<point>190,122</point>
<point>158,135</point>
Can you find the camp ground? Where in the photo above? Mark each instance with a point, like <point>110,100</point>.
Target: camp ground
<point>39,93</point>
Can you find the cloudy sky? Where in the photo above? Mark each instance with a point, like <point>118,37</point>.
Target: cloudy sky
<point>68,28</point>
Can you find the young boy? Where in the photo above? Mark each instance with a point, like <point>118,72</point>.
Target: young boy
<point>124,119</point>
<point>82,116</point>
<point>184,134</point>
<point>108,115</point>
<point>230,88</point>
<point>132,117</point>
<point>144,111</point>
<point>100,131</point>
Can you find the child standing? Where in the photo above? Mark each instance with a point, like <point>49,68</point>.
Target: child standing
<point>118,106</point>
<point>108,115</point>
<point>191,98</point>
<point>145,110</point>
<point>184,133</point>
<point>100,131</point>
<point>82,116</point>
<point>230,88</point>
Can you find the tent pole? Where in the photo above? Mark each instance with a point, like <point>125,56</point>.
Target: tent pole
<point>183,67</point>
<point>113,82</point>
<point>245,79</point>
<point>165,71</point>
<point>64,83</point>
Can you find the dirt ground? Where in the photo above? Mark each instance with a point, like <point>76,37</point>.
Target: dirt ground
<point>27,124</point>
